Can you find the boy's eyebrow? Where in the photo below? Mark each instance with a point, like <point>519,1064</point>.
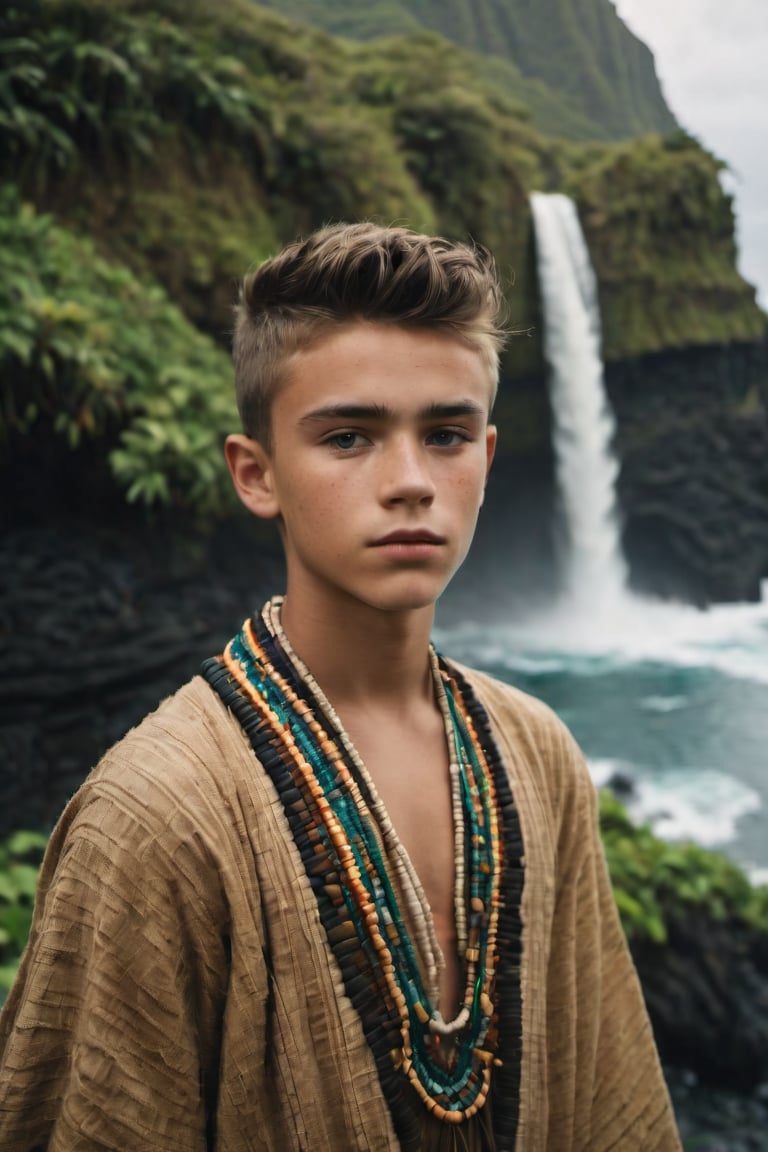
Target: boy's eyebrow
<point>436,411</point>
<point>445,411</point>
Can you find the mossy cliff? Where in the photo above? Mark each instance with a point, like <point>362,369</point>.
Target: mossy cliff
<point>578,68</point>
<point>187,141</point>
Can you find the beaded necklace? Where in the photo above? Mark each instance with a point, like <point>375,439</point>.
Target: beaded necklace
<point>420,924</point>
<point>346,841</point>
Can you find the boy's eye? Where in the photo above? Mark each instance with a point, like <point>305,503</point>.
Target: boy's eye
<point>344,440</point>
<point>447,437</point>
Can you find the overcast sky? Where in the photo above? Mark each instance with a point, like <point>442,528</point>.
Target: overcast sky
<point>712,61</point>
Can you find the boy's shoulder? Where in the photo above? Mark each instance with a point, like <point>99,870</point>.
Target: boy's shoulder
<point>175,768</point>
<point>183,735</point>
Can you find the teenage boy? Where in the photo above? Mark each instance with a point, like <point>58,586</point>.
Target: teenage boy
<point>339,893</point>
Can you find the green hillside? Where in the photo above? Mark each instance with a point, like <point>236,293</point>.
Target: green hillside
<point>574,62</point>
<point>154,150</point>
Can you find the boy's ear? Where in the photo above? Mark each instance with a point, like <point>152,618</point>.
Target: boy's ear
<point>490,449</point>
<point>250,467</point>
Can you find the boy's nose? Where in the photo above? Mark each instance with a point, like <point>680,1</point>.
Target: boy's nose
<point>406,475</point>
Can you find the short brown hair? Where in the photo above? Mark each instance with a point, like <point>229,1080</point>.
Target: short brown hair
<point>349,272</point>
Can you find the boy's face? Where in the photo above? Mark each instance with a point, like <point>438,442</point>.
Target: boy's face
<point>380,451</point>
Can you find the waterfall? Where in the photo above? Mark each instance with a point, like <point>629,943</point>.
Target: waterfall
<point>594,568</point>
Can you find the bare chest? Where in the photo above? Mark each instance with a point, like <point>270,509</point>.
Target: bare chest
<point>411,776</point>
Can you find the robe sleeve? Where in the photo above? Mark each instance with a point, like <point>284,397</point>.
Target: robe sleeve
<point>111,1033</point>
<point>600,1035</point>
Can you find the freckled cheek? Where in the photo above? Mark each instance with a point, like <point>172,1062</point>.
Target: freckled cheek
<point>470,487</point>
<point>324,510</point>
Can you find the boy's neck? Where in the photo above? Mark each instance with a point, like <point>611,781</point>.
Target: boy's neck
<point>362,655</point>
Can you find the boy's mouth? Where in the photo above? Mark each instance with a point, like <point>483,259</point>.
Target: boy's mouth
<point>408,536</point>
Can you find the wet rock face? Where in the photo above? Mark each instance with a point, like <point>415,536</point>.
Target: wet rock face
<point>692,445</point>
<point>707,995</point>
<point>693,486</point>
<point>98,624</point>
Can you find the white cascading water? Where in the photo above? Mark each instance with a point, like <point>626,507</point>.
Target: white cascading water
<point>661,667</point>
<point>598,616</point>
<point>594,568</point>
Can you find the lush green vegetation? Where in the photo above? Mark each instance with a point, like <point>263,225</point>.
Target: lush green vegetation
<point>582,73</point>
<point>20,858</point>
<point>88,348</point>
<point>190,140</point>
<point>167,146</point>
<point>655,882</point>
<point>661,237</point>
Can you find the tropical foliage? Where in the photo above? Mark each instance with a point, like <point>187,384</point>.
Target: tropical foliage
<point>89,349</point>
<point>20,858</point>
<point>655,882</point>
<point>157,150</point>
<point>189,140</point>
<point>646,209</point>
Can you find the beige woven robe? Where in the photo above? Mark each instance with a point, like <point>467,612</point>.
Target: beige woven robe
<point>178,994</point>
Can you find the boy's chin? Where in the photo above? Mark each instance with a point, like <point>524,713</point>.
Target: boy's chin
<point>394,593</point>
<point>406,600</point>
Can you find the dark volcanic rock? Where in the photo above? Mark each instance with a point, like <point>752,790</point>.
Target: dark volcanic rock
<point>622,784</point>
<point>711,1120</point>
<point>693,487</point>
<point>707,995</point>
<point>97,625</point>
<point>692,444</point>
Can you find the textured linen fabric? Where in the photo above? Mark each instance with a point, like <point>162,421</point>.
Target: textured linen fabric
<point>177,993</point>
